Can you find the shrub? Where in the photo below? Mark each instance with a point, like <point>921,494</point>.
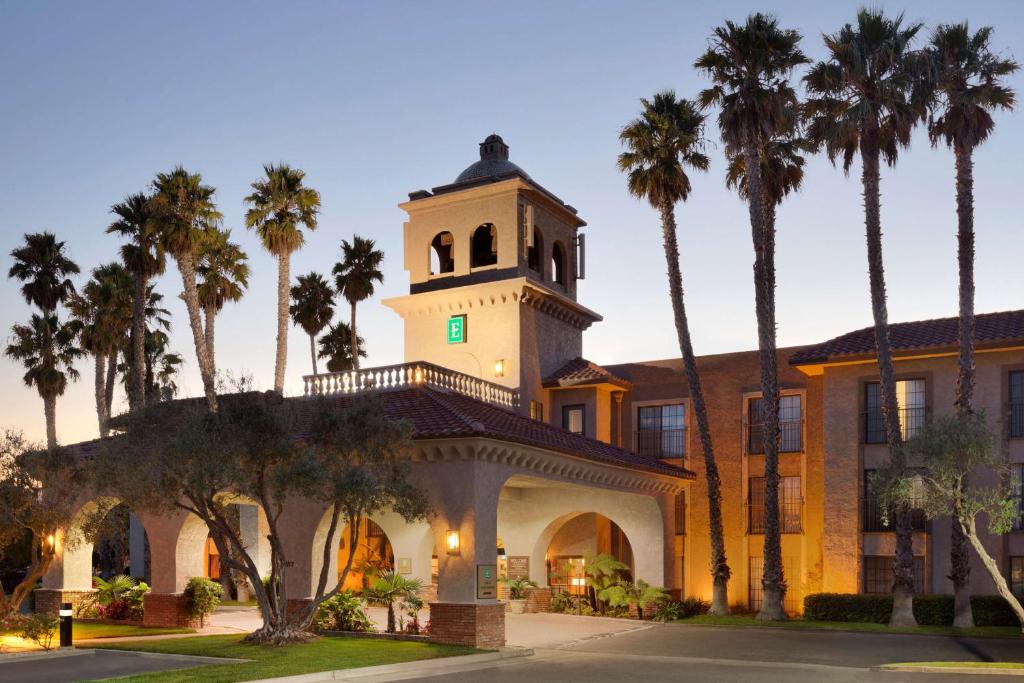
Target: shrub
<point>40,629</point>
<point>344,612</point>
<point>202,597</point>
<point>929,610</point>
<point>120,598</point>
<point>684,609</point>
<point>562,602</point>
<point>669,611</point>
<point>517,588</point>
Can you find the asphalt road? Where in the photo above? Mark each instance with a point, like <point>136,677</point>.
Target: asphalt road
<point>94,665</point>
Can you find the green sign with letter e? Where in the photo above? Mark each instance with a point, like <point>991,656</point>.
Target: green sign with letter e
<point>457,329</point>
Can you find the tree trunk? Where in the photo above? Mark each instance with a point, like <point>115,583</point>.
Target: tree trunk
<point>903,564</point>
<point>355,339</point>
<point>111,381</point>
<point>970,530</point>
<point>137,391</point>
<point>720,571</point>
<point>210,318</point>
<point>312,352</point>
<point>100,391</point>
<point>50,412</point>
<point>187,268</point>
<point>283,279</point>
<point>773,580</point>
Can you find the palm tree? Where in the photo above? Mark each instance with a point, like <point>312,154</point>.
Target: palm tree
<point>389,588</point>
<point>354,278</point>
<point>281,205</point>
<point>963,83</point>
<point>46,348</point>
<point>184,214</point>
<point>143,256</point>
<point>223,272</point>
<point>312,307</point>
<point>43,266</point>
<point>749,65</point>
<point>336,347</point>
<point>661,145</point>
<point>103,313</point>
<point>860,101</point>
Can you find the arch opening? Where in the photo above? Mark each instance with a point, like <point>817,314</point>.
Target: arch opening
<point>558,263</point>
<point>442,253</point>
<point>373,554</point>
<point>484,247</point>
<point>581,536</point>
<point>535,253</point>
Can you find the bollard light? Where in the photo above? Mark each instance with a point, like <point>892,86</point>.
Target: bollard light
<point>65,624</point>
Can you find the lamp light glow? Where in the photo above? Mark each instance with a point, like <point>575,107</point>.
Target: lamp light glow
<point>451,541</point>
<point>499,367</point>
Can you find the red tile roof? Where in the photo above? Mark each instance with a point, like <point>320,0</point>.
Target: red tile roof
<point>580,371</point>
<point>990,329</point>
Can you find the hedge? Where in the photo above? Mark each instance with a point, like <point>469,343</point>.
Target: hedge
<point>929,610</point>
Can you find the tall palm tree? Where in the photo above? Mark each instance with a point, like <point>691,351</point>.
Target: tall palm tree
<point>336,347</point>
<point>312,307</point>
<point>860,101</point>
<point>223,272</point>
<point>156,325</point>
<point>143,256</point>
<point>184,214</point>
<point>103,313</point>
<point>963,83</point>
<point>354,278</point>
<point>281,206</point>
<point>749,65</point>
<point>46,348</point>
<point>661,145</point>
<point>42,266</point>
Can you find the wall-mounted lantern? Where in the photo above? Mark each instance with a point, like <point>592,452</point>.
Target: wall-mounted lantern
<point>499,367</point>
<point>451,541</point>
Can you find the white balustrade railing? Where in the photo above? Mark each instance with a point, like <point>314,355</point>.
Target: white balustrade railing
<point>409,375</point>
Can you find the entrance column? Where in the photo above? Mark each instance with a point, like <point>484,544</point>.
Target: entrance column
<point>464,495</point>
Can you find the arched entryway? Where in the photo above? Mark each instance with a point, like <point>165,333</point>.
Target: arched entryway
<point>579,537</point>
<point>372,554</point>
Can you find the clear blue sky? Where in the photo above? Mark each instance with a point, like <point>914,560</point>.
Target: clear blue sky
<point>374,100</point>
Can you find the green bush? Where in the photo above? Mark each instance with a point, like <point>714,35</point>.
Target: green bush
<point>40,629</point>
<point>684,609</point>
<point>929,610</point>
<point>344,612</point>
<point>202,597</point>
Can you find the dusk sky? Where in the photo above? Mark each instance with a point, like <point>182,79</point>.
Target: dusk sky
<point>374,100</point>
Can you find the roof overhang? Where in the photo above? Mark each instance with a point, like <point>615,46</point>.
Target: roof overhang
<point>817,367</point>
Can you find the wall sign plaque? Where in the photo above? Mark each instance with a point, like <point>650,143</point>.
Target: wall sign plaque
<point>405,565</point>
<point>518,567</point>
<point>486,581</point>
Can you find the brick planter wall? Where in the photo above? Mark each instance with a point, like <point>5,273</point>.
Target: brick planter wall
<point>649,611</point>
<point>48,600</point>
<point>468,624</point>
<point>538,600</point>
<point>166,610</point>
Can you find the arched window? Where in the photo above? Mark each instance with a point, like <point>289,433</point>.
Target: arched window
<point>484,250</point>
<point>442,259</point>
<point>535,254</point>
<point>558,263</point>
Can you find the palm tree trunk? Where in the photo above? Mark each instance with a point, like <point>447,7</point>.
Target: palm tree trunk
<point>773,579</point>
<point>720,571</point>
<point>355,338</point>
<point>903,564</point>
<point>50,412</point>
<point>111,380</point>
<point>312,352</point>
<point>100,390</point>
<point>283,279</point>
<point>187,268</point>
<point>210,317</point>
<point>137,393</point>
<point>959,563</point>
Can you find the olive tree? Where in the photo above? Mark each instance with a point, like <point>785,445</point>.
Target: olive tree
<point>260,448</point>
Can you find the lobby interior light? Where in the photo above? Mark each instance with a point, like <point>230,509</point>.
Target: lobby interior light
<point>451,541</point>
<point>499,367</point>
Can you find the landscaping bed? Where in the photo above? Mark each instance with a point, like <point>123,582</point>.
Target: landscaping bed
<point>322,654</point>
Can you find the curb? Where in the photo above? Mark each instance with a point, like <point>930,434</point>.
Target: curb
<point>57,653</point>
<point>962,670</point>
<point>417,669</point>
<point>813,629</point>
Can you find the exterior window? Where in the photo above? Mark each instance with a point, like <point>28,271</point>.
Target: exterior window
<point>484,246</point>
<point>790,504</point>
<point>441,257</point>
<point>373,529</point>
<point>573,419</point>
<point>1017,575</point>
<point>661,431</point>
<point>558,264</point>
<point>878,574</point>
<point>878,519</point>
<point>680,510</point>
<point>1016,407</point>
<point>537,411</point>
<point>1018,491</point>
<point>791,425</point>
<point>756,588</point>
<point>534,254</point>
<point>911,402</point>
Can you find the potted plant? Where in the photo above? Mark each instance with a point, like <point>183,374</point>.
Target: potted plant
<point>517,593</point>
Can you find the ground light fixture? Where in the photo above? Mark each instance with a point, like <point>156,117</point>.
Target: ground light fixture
<point>65,624</point>
<point>451,541</point>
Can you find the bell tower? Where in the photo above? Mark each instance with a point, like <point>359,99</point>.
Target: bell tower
<point>493,260</point>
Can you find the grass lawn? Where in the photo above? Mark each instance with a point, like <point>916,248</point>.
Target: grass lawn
<point>958,665</point>
<point>83,630</point>
<point>323,654</point>
<point>745,620</point>
<point>238,603</point>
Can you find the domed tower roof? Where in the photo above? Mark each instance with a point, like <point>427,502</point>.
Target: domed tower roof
<point>493,162</point>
